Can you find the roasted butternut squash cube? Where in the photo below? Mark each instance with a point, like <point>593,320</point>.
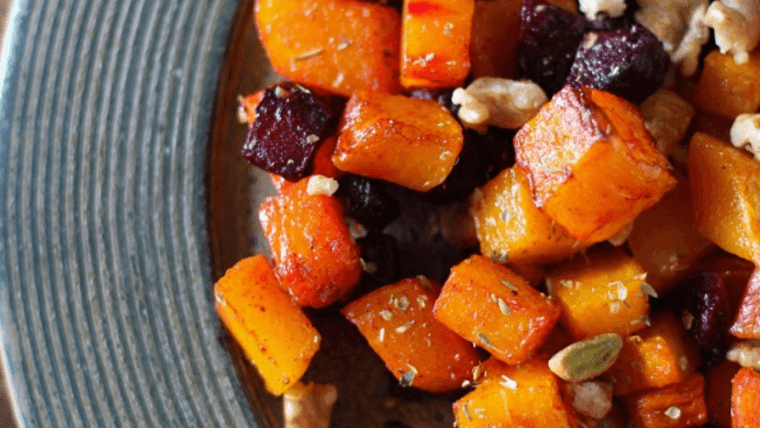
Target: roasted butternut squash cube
<point>397,321</point>
<point>725,191</point>
<point>665,240</point>
<point>495,36</point>
<point>718,393</point>
<point>676,406</point>
<point>528,395</point>
<point>727,88</point>
<point>410,142</point>
<point>510,227</point>
<point>488,304</point>
<point>747,322</point>
<point>592,164</point>
<point>315,258</point>
<point>745,399</point>
<point>435,43</point>
<point>341,46</point>
<point>660,355</point>
<point>274,333</point>
<point>600,293</point>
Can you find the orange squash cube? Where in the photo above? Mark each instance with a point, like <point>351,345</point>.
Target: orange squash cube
<point>341,46</point>
<point>510,227</point>
<point>528,395</point>
<point>676,406</point>
<point>747,322</point>
<point>718,393</point>
<point>274,333</point>
<point>397,321</point>
<point>600,293</point>
<point>435,43</point>
<point>725,191</point>
<point>745,399</point>
<point>665,240</point>
<point>315,258</point>
<point>491,306</point>
<point>563,149</point>
<point>410,142</point>
<point>660,355</point>
<point>727,88</point>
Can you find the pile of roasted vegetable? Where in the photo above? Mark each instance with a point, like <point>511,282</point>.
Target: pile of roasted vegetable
<point>607,156</point>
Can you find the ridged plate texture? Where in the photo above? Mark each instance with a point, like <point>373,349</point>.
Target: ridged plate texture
<point>105,280</point>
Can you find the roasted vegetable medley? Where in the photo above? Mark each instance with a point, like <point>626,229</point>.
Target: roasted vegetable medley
<point>596,166</point>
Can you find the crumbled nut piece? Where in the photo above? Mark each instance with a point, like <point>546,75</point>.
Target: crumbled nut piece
<point>309,406</point>
<point>667,117</point>
<point>746,354</point>
<point>697,34</point>
<point>673,412</point>
<point>321,185</point>
<point>745,132</point>
<point>621,236</point>
<point>591,398</point>
<point>737,26</point>
<point>588,358</point>
<point>591,8</point>
<point>499,102</point>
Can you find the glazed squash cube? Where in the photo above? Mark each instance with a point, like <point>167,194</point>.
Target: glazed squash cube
<point>341,46</point>
<point>435,43</point>
<point>665,240</point>
<point>718,393</point>
<point>725,191</point>
<point>745,399</point>
<point>528,395</point>
<point>747,322</point>
<point>274,333</point>
<point>509,226</point>
<point>676,406</point>
<point>660,355</point>
<point>410,142</point>
<point>592,165</point>
<point>314,256</point>
<point>397,321</point>
<point>600,293</point>
<point>488,304</point>
<point>726,88</point>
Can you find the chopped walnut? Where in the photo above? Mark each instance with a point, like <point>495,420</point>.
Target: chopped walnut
<point>498,102</point>
<point>746,354</point>
<point>745,132</point>
<point>591,398</point>
<point>678,24</point>
<point>321,185</point>
<point>309,406</point>
<point>737,26</point>
<point>591,8</point>
<point>667,117</point>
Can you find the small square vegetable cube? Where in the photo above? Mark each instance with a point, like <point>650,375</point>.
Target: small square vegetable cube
<point>592,164</point>
<point>527,395</point>
<point>600,293</point>
<point>397,321</point>
<point>435,43</point>
<point>727,88</point>
<point>657,356</point>
<point>315,257</point>
<point>745,399</point>
<point>273,332</point>
<point>725,191</point>
<point>488,304</point>
<point>747,322</point>
<point>341,46</point>
<point>410,142</point>
<point>509,226</point>
<point>676,406</point>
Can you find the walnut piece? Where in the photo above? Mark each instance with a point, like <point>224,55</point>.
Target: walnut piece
<point>591,398</point>
<point>321,185</point>
<point>309,406</point>
<point>745,133</point>
<point>667,117</point>
<point>499,102</point>
<point>746,354</point>
<point>612,8</point>
<point>737,26</point>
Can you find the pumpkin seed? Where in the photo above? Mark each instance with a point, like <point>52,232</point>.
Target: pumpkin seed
<point>588,358</point>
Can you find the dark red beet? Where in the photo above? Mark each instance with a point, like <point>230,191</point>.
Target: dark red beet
<point>380,255</point>
<point>629,63</point>
<point>291,122</point>
<point>549,37</point>
<point>705,297</point>
<point>369,202</point>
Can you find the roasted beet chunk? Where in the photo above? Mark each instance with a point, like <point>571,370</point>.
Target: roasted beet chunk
<point>369,202</point>
<point>630,63</point>
<point>291,122</point>
<point>549,37</point>
<point>381,262</point>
